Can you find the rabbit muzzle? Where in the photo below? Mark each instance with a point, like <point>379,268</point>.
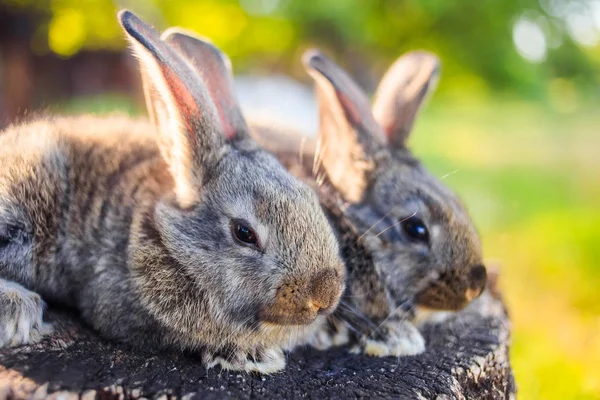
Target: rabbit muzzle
<point>299,301</point>
<point>451,293</point>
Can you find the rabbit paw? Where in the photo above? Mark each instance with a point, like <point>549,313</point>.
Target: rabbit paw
<point>21,313</point>
<point>330,335</point>
<point>400,338</point>
<point>263,361</point>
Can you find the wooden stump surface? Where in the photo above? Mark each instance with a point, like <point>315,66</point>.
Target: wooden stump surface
<point>467,357</point>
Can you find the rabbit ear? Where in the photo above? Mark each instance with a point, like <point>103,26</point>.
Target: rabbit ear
<point>402,92</point>
<point>214,68</point>
<point>349,136</point>
<point>190,133</point>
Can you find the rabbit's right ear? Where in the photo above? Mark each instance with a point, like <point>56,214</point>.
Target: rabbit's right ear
<point>402,93</point>
<point>214,68</point>
<point>349,137</point>
<point>191,137</point>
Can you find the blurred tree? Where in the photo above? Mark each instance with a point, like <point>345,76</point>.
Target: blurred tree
<point>478,41</point>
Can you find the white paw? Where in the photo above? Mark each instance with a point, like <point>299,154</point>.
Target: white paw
<point>267,362</point>
<point>21,312</point>
<point>402,339</point>
<point>321,340</point>
<point>409,346</point>
<point>424,315</point>
<point>376,348</point>
<point>272,360</point>
<point>341,337</point>
<point>325,338</point>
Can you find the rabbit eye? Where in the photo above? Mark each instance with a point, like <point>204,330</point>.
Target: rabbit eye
<point>415,229</point>
<point>243,233</point>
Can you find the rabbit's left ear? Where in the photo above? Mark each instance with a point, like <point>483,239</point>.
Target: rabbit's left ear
<point>402,93</point>
<point>350,139</point>
<point>214,68</point>
<point>190,135</point>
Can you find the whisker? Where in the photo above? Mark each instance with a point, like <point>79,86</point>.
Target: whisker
<point>317,156</point>
<point>290,340</point>
<point>373,226</point>
<point>398,223</point>
<point>351,327</point>
<point>301,151</point>
<point>345,306</point>
<point>319,162</point>
<point>320,179</point>
<point>296,333</point>
<point>449,174</point>
<point>392,313</point>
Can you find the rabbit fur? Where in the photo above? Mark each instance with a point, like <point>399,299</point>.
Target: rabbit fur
<point>409,244</point>
<point>180,234</point>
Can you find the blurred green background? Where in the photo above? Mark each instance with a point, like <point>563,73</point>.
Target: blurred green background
<point>514,125</point>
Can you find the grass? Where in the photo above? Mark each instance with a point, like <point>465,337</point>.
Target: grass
<point>531,179</point>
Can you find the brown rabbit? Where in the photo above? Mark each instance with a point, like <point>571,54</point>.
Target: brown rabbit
<point>409,244</point>
<point>182,234</point>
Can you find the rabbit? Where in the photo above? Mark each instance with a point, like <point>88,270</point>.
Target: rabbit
<point>177,234</point>
<point>411,250</point>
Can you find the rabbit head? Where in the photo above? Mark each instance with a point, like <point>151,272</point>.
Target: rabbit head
<point>425,248</point>
<point>247,245</point>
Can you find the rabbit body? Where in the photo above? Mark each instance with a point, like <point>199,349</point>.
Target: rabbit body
<point>409,244</point>
<point>70,190</point>
<point>178,234</point>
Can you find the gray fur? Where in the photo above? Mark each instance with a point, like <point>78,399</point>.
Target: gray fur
<point>131,224</point>
<point>370,184</point>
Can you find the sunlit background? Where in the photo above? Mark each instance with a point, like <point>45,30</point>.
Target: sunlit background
<point>514,126</point>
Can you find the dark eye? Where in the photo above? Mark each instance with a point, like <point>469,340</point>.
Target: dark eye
<point>415,229</point>
<point>242,232</point>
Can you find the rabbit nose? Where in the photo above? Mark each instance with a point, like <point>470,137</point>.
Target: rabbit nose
<point>299,300</point>
<point>316,306</point>
<point>325,291</point>
<point>477,281</point>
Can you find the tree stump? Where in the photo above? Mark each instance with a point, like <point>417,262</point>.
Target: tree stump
<point>467,357</point>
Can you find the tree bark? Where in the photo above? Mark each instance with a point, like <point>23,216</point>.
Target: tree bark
<point>467,357</point>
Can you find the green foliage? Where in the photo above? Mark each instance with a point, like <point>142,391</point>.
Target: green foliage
<point>473,38</point>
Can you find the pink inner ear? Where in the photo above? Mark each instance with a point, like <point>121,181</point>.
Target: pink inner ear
<point>350,107</point>
<point>220,89</point>
<point>360,115</point>
<point>388,128</point>
<point>229,129</point>
<point>186,104</point>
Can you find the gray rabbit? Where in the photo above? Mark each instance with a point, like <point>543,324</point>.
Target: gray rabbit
<point>409,244</point>
<point>183,234</point>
